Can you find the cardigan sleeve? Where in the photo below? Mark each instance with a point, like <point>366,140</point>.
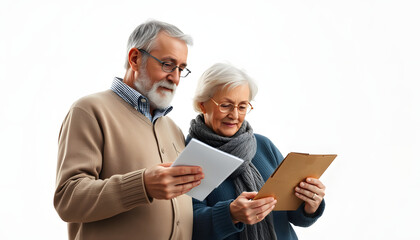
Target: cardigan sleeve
<point>81,196</point>
<point>213,222</point>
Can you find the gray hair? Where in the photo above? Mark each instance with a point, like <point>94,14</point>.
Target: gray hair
<point>144,37</point>
<point>225,75</point>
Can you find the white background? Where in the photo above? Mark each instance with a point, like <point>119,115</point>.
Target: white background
<point>334,77</point>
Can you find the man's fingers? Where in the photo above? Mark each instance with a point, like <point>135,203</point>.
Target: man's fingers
<point>188,178</point>
<point>184,188</point>
<point>167,164</point>
<point>185,170</point>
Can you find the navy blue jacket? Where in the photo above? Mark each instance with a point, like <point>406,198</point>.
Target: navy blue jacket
<point>212,218</point>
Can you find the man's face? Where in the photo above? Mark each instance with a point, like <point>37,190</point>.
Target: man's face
<point>159,86</point>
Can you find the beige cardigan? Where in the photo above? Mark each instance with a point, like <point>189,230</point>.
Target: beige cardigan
<point>103,149</point>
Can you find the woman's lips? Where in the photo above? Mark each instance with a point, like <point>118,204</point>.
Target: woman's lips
<point>230,124</point>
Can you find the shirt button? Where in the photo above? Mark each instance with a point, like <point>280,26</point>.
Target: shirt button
<point>162,150</point>
<point>177,223</point>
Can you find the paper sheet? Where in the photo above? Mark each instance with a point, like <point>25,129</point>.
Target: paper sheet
<point>217,166</point>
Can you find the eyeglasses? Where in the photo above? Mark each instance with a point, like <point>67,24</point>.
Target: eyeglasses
<point>225,107</point>
<point>169,66</point>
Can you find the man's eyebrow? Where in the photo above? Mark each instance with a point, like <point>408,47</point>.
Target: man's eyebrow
<point>171,59</point>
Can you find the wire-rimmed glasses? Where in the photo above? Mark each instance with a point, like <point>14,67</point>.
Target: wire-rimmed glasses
<point>226,107</point>
<point>169,66</point>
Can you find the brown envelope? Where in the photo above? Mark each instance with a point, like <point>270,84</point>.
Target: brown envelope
<point>295,168</point>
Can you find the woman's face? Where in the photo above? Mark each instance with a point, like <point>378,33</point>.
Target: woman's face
<point>225,124</point>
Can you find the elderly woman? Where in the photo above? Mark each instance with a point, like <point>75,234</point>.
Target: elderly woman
<point>223,98</point>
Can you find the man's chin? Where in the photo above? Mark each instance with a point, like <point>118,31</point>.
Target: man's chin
<point>159,95</point>
<point>161,101</point>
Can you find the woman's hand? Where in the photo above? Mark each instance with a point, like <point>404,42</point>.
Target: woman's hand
<point>312,191</point>
<point>248,211</point>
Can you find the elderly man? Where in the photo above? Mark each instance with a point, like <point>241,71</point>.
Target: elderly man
<point>114,179</point>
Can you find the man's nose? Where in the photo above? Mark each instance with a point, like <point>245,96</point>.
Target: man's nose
<point>174,76</point>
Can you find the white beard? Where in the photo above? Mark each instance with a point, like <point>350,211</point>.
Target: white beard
<point>159,100</point>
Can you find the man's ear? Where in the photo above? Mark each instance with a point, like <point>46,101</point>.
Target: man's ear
<point>134,59</point>
<point>203,110</point>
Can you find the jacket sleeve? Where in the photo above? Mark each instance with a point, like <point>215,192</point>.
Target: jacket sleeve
<point>80,195</point>
<point>302,219</point>
<point>213,222</point>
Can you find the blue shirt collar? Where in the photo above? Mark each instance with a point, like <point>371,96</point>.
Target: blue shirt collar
<point>137,100</point>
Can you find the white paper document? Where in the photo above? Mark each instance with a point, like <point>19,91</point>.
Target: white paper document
<point>217,166</point>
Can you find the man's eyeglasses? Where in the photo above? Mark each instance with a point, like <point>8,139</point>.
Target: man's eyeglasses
<point>226,107</point>
<point>169,66</point>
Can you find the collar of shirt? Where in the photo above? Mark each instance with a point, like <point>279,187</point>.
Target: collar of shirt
<point>137,100</point>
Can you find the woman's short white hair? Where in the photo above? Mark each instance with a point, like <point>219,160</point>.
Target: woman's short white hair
<point>225,75</point>
<point>144,37</point>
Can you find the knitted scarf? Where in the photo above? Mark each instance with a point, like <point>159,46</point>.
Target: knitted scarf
<point>246,177</point>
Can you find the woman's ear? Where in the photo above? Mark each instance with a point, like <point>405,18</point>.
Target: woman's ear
<point>203,110</point>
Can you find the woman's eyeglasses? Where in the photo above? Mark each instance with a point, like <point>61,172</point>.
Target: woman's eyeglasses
<point>226,107</point>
